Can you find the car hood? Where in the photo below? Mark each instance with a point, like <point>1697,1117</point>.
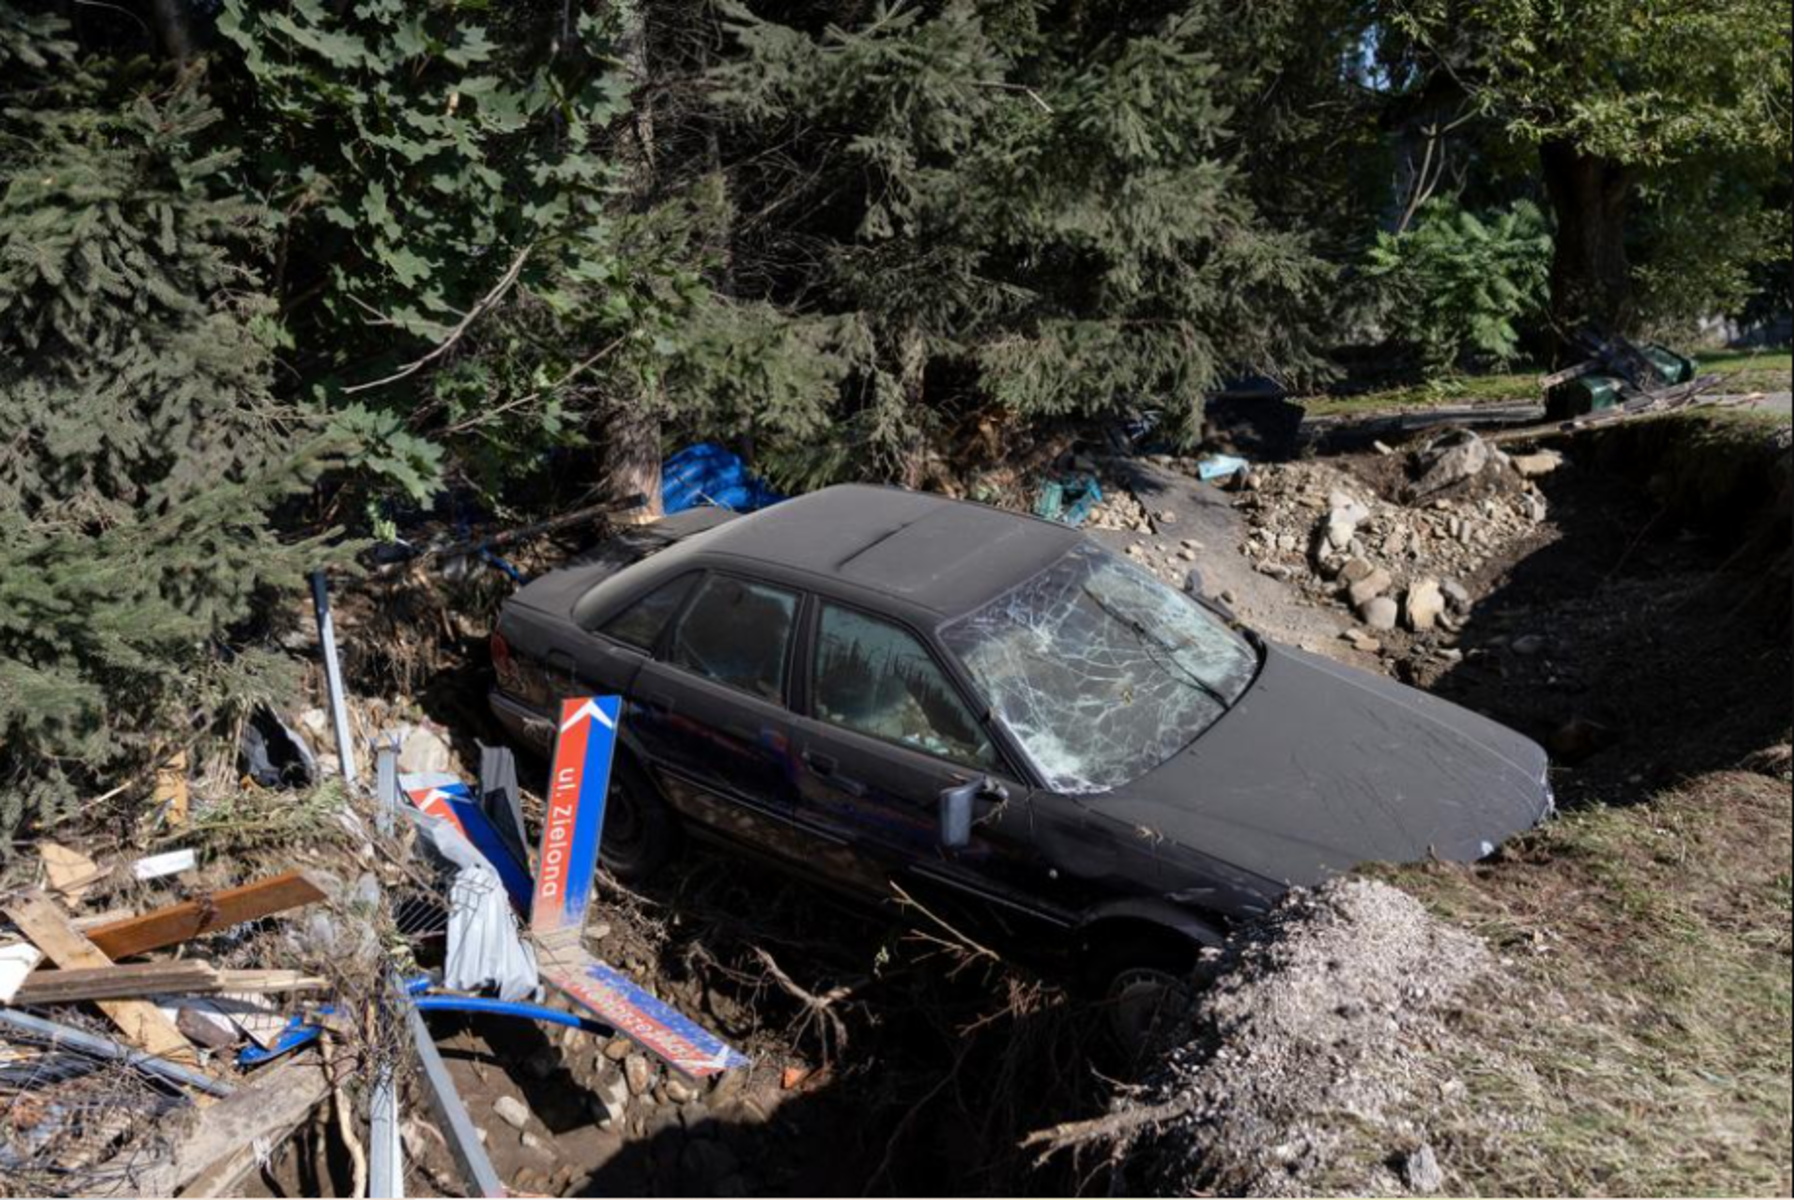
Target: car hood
<point>1320,768</point>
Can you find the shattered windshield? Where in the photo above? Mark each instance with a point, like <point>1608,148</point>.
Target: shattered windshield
<point>1100,671</point>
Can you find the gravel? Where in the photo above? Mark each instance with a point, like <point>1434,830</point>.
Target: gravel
<point>1314,1050</point>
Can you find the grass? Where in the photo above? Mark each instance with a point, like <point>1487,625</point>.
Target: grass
<point>1744,371</point>
<point>1638,1041</point>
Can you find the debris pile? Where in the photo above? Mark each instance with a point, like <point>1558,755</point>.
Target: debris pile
<point>1311,1060</point>
<point>169,1019</point>
<point>1399,551</point>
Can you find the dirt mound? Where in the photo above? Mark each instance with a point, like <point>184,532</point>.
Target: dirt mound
<point>1312,1052</point>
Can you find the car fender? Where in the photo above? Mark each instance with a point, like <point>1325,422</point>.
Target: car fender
<point>1148,910</point>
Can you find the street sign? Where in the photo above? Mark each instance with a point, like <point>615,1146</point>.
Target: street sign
<point>656,1026</point>
<point>448,798</point>
<point>577,785</point>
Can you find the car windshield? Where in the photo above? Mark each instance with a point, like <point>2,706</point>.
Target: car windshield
<point>1101,671</point>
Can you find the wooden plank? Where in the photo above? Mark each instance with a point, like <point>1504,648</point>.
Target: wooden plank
<point>154,979</point>
<point>180,922</point>
<point>142,1024</point>
<point>116,983</point>
<point>279,1100</point>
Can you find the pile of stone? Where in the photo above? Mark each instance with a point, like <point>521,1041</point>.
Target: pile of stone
<point>1404,564</point>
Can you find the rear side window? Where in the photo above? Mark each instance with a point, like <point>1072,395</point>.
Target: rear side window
<point>875,678</point>
<point>640,624</point>
<point>737,633</point>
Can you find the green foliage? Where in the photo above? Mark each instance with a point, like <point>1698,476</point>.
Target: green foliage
<point>1459,287</point>
<point>1027,209</point>
<point>1650,85</point>
<point>449,196</point>
<point>141,448</point>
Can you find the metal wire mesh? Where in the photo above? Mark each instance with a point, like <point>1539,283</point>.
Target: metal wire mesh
<point>73,1123</point>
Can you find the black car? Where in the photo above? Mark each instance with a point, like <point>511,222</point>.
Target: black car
<point>876,687</point>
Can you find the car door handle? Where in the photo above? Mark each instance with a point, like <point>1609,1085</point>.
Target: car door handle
<point>822,764</point>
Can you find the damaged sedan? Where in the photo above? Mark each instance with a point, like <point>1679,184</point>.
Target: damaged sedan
<point>882,690</point>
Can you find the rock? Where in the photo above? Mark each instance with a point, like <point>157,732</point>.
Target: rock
<point>678,1092</point>
<point>1379,612</point>
<point>1529,646</point>
<point>1422,1173</point>
<point>424,751</point>
<point>1457,594</point>
<point>533,1143</point>
<point>1344,515</point>
<point>1370,587</point>
<point>639,1073</point>
<point>1425,604</point>
<point>618,1049</point>
<point>511,1111</point>
<point>1362,641</point>
<point>1537,466</point>
<point>1357,569</point>
<point>1448,460</point>
<point>609,1100</point>
<point>1382,448</point>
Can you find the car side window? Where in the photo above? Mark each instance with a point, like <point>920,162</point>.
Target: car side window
<point>737,633</point>
<point>875,678</point>
<point>640,624</point>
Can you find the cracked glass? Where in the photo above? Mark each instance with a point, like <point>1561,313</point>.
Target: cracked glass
<point>1100,671</point>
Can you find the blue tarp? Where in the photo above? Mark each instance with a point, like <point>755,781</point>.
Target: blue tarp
<point>708,474</point>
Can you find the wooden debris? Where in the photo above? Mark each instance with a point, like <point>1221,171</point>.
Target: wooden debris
<point>50,930</point>
<point>171,796</point>
<point>182,922</point>
<point>70,873</point>
<point>152,979</point>
<point>279,1100</point>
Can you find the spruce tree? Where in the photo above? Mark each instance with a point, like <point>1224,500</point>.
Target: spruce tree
<point>141,448</point>
<point>1014,206</point>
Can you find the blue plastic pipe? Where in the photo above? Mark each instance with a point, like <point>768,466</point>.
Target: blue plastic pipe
<point>299,1034</point>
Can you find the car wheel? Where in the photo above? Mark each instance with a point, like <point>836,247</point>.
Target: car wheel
<point>1147,990</point>
<point>640,831</point>
<point>1146,1006</point>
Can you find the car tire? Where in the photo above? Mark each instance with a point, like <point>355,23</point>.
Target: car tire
<point>1147,988</point>
<point>641,832</point>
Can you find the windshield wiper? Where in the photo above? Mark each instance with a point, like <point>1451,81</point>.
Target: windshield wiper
<point>1148,639</point>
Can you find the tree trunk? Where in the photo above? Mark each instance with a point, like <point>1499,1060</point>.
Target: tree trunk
<point>173,30</point>
<point>1591,279</point>
<point>632,450</point>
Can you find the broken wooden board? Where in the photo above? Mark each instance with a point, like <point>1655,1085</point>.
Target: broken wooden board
<point>142,980</point>
<point>70,873</point>
<point>50,930</point>
<point>181,922</point>
<point>279,1100</point>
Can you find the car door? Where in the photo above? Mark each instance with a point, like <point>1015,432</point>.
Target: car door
<point>709,712</point>
<point>885,732</point>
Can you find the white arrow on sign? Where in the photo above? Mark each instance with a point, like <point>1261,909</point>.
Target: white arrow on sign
<point>588,709</point>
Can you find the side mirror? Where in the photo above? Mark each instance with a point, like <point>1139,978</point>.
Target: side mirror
<point>957,805</point>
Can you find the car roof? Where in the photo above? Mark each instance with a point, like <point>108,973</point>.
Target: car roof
<point>945,556</point>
